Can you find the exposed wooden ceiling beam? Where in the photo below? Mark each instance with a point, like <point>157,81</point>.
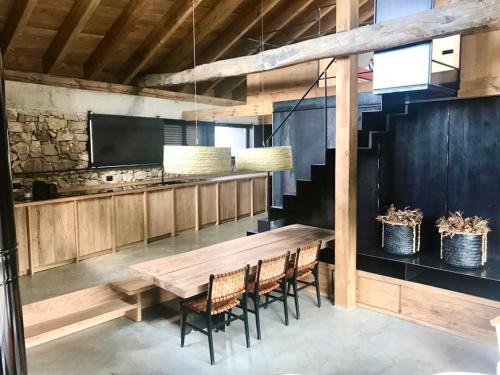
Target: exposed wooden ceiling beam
<point>123,25</point>
<point>182,55</point>
<point>257,109</point>
<point>16,22</point>
<point>168,26</point>
<point>282,20</point>
<point>74,22</point>
<point>300,30</point>
<point>237,31</point>
<point>457,18</point>
<point>85,84</point>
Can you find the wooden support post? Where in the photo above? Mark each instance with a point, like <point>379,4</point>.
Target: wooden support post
<point>346,164</point>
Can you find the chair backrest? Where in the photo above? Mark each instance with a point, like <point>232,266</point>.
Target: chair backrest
<point>272,269</point>
<point>307,256</point>
<point>225,286</point>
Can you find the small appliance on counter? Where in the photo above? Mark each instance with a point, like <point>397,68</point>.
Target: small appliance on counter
<point>43,190</point>
<point>17,191</point>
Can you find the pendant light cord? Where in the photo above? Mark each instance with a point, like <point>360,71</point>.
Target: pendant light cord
<point>262,64</point>
<point>195,82</point>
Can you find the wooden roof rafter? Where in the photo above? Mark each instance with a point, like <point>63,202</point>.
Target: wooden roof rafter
<point>120,28</point>
<point>73,24</point>
<point>169,24</point>
<point>282,20</point>
<point>17,21</point>
<point>183,53</point>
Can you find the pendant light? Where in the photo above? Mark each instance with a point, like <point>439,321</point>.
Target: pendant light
<point>196,160</point>
<point>190,160</point>
<point>264,159</point>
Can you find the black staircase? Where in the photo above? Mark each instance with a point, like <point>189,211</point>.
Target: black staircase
<point>313,202</point>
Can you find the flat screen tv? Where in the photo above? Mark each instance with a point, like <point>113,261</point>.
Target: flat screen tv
<point>119,141</point>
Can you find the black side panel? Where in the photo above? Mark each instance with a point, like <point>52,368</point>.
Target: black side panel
<point>474,173</point>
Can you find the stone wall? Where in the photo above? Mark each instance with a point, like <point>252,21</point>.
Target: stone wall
<point>45,141</point>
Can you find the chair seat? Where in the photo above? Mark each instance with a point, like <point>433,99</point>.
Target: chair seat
<point>301,274</point>
<point>264,288</point>
<point>200,305</point>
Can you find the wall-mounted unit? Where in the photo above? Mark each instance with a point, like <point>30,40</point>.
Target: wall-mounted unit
<point>422,70</point>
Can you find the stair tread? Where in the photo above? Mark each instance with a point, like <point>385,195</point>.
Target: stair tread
<point>132,285</point>
<point>78,317</point>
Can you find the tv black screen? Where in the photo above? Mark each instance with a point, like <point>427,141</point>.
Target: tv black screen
<point>117,141</point>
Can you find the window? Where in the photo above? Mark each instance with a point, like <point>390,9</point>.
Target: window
<point>228,136</point>
<point>172,134</point>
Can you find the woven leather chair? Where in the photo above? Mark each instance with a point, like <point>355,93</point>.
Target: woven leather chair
<point>223,292</point>
<point>270,277</point>
<point>305,264</point>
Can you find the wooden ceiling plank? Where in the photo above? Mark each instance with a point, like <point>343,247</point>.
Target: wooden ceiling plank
<point>16,22</point>
<point>157,37</point>
<point>119,30</point>
<point>461,17</point>
<point>183,53</point>
<point>282,20</point>
<point>237,30</point>
<point>73,24</point>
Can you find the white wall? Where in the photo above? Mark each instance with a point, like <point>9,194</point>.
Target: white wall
<point>28,96</point>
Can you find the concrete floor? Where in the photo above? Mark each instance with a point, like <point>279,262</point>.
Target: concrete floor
<point>323,341</point>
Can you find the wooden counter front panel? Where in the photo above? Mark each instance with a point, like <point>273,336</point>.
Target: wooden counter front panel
<point>185,208</point>
<point>244,197</point>
<point>52,234</point>
<point>379,294</point>
<point>159,213</point>
<point>94,226</point>
<point>21,218</point>
<point>259,194</point>
<point>129,219</point>
<point>207,204</point>
<point>227,200</point>
<point>447,310</point>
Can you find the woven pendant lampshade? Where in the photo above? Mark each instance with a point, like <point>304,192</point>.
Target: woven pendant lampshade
<point>200,160</point>
<point>264,159</point>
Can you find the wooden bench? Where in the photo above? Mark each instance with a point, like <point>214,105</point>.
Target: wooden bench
<point>134,287</point>
<point>59,316</point>
<point>496,323</point>
<point>62,315</point>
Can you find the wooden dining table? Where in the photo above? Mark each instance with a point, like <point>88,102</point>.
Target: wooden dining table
<point>187,274</point>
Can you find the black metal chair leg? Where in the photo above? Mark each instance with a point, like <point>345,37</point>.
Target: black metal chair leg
<point>316,282</point>
<point>285,304</point>
<point>296,297</point>
<point>228,323</point>
<point>210,340</point>
<point>183,326</point>
<point>257,315</point>
<point>267,301</point>
<point>245,321</point>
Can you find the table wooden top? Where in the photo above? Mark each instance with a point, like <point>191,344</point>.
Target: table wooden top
<point>187,274</point>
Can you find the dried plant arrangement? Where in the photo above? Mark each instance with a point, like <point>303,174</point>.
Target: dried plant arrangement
<point>407,216</point>
<point>401,230</point>
<point>464,241</point>
<point>456,223</point>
